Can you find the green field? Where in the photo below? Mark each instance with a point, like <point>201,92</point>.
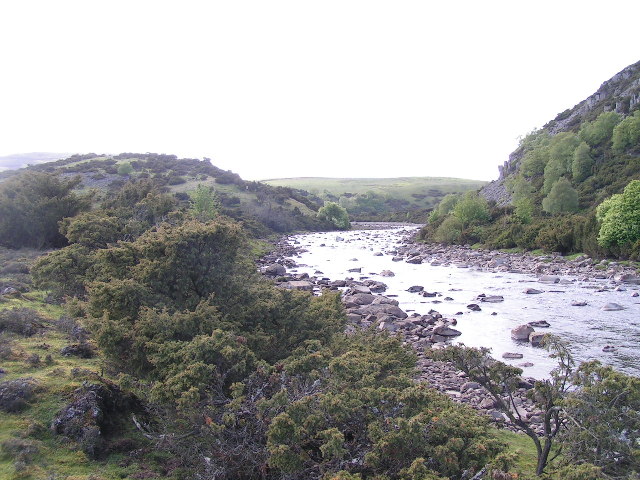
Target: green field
<point>373,198</point>
<point>401,186</point>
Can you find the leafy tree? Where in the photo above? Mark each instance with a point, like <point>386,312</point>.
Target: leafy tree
<point>600,130</point>
<point>522,198</point>
<point>604,413</point>
<point>445,206</point>
<point>471,209</point>
<point>561,151</point>
<point>32,204</point>
<point>619,216</point>
<point>125,169</point>
<point>502,380</point>
<point>205,204</point>
<point>535,161</point>
<point>449,231</point>
<point>524,209</point>
<point>335,214</point>
<point>627,133</point>
<point>562,198</point>
<point>582,163</point>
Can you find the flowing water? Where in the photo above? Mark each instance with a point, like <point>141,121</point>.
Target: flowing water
<point>587,329</point>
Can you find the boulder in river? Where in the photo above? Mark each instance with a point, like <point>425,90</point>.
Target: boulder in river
<point>512,356</point>
<point>549,279</point>
<point>579,303</point>
<point>628,278</point>
<point>446,331</point>
<point>535,338</point>
<point>357,299</point>
<point>521,333</point>
<point>387,273</point>
<point>540,324</point>
<point>415,260</point>
<point>382,300</point>
<point>353,289</point>
<point>492,299</point>
<point>474,307</point>
<point>612,307</point>
<point>415,289</point>
<point>532,291</point>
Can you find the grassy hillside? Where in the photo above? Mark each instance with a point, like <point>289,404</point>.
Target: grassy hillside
<point>375,198</point>
<point>262,208</point>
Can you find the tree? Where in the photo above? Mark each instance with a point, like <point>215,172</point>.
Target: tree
<point>471,209</point>
<point>522,195</point>
<point>32,204</point>
<point>619,217</point>
<point>502,380</point>
<point>335,214</point>
<point>562,198</point>
<point>125,169</point>
<point>600,130</point>
<point>582,163</point>
<point>561,148</point>
<point>91,229</point>
<point>204,203</point>
<point>445,206</point>
<point>627,133</point>
<point>604,414</point>
<point>449,231</point>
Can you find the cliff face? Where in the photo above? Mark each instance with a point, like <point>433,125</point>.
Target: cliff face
<point>621,93</point>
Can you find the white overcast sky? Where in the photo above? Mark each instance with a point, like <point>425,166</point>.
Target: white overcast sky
<point>304,88</point>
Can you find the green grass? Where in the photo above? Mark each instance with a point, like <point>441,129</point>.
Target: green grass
<point>56,382</point>
<point>523,447</point>
<point>420,192</point>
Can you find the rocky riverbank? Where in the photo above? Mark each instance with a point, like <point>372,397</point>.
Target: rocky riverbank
<point>367,306</point>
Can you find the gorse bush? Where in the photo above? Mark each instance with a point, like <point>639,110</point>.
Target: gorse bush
<point>349,406</point>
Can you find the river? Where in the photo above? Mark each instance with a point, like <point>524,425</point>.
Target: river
<point>587,329</point>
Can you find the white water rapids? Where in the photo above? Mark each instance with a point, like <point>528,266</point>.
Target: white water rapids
<point>587,329</point>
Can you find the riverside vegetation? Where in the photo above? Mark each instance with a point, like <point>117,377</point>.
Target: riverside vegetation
<point>571,186</point>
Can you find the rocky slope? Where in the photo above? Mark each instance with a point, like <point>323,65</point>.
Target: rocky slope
<point>621,94</point>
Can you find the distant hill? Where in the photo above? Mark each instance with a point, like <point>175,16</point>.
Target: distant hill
<point>262,208</point>
<point>380,198</point>
<point>20,160</point>
<point>549,189</point>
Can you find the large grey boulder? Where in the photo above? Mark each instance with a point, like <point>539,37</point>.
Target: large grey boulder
<point>612,307</point>
<point>383,309</point>
<point>275,270</point>
<point>357,299</point>
<point>521,333</point>
<point>492,299</point>
<point>628,278</point>
<point>298,285</point>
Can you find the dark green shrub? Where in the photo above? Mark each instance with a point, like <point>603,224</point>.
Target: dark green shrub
<point>176,180</point>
